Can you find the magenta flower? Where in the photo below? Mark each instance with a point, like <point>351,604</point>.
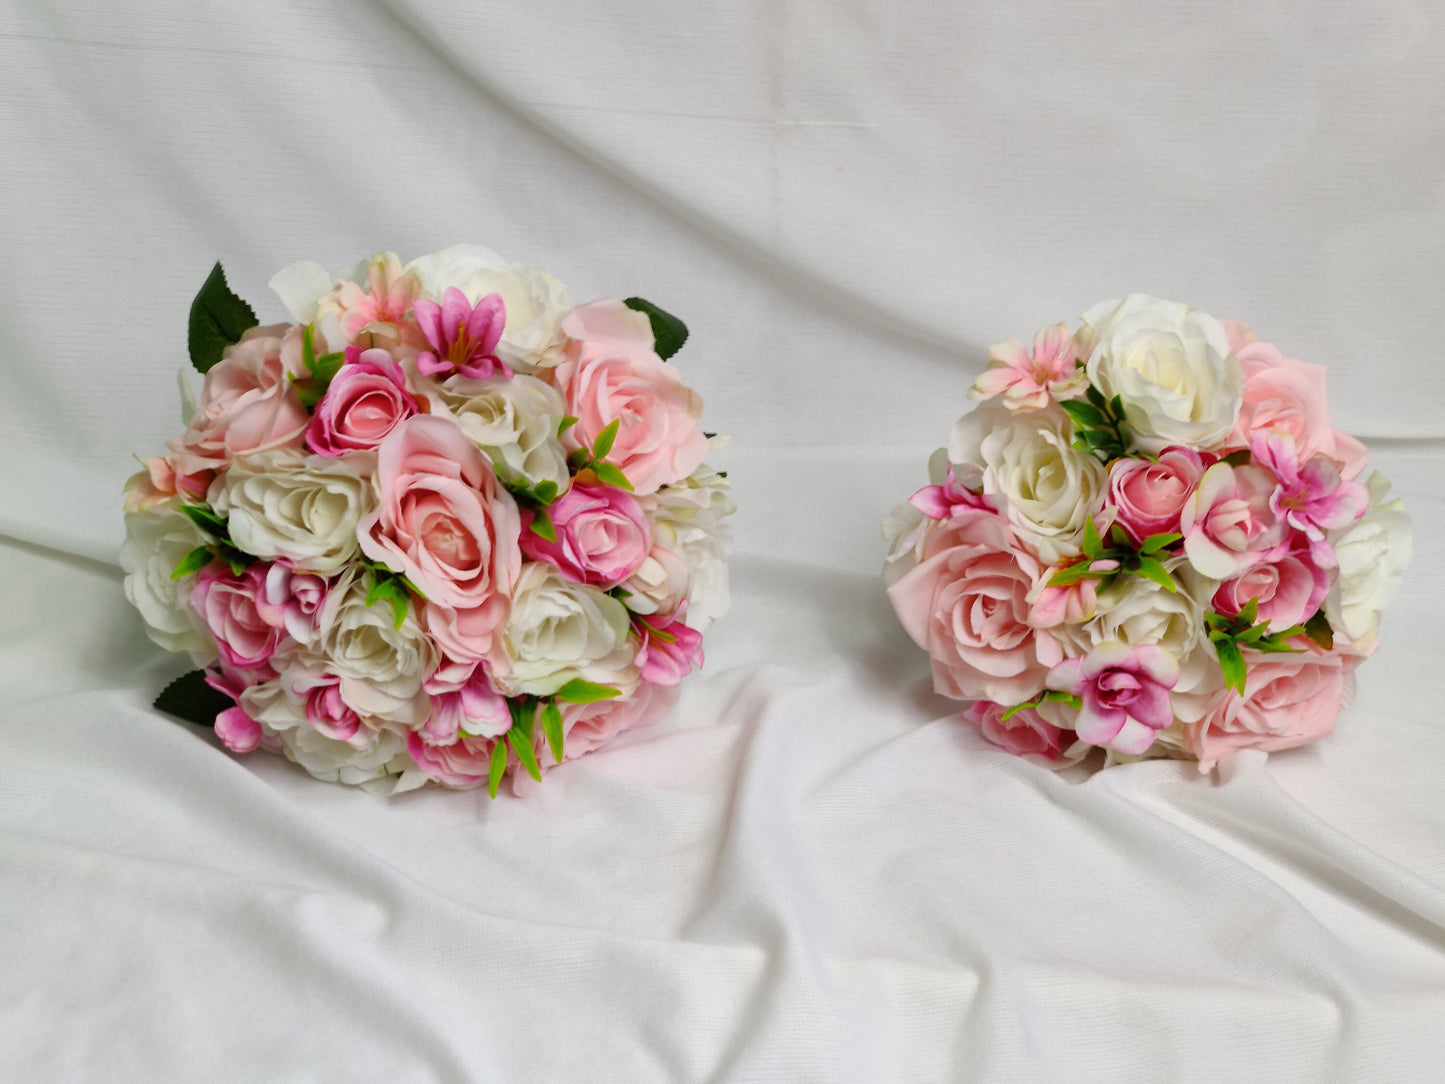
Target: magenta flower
<point>462,336</point>
<point>669,648</point>
<point>1311,496</point>
<point>940,502</point>
<point>1124,692</point>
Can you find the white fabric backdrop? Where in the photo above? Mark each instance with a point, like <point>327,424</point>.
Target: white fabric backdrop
<point>810,870</point>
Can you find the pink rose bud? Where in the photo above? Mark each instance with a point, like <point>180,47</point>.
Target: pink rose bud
<point>1150,496</point>
<point>365,401</point>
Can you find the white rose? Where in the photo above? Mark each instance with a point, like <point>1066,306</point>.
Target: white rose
<point>303,508</point>
<point>371,755</point>
<point>1372,553</point>
<point>155,542</point>
<point>691,540</point>
<point>1135,610</point>
<point>1049,487</point>
<point>559,630</point>
<point>1172,367</point>
<point>514,419</point>
<point>381,667</point>
<point>535,301</point>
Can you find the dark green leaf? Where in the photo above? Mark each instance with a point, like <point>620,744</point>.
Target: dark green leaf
<point>1151,568</point>
<point>1238,458</point>
<point>1085,415</point>
<point>1156,542</point>
<point>207,519</point>
<point>191,699</point>
<point>542,525</point>
<point>1116,408</point>
<point>1216,621</point>
<point>578,691</point>
<point>668,331</point>
<point>525,753</point>
<point>497,768</point>
<point>603,444</point>
<point>1097,398</point>
<point>1231,662</point>
<point>238,561</point>
<point>192,562</point>
<point>398,608</point>
<point>1317,628</point>
<point>413,588</point>
<point>610,475</point>
<point>218,319</point>
<point>552,727</point>
<point>578,458</point>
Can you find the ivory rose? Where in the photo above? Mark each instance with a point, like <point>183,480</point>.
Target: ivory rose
<point>1289,699</point>
<point>247,403</point>
<point>966,604</point>
<point>514,419</point>
<point>1372,554</point>
<point>442,518</point>
<point>612,373</point>
<point>156,540</point>
<point>559,630</point>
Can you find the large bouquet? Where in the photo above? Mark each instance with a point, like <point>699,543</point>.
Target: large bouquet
<point>1147,538</point>
<point>445,526</point>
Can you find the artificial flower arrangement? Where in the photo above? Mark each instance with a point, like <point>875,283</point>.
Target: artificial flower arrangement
<point>1147,538</point>
<point>445,527</point>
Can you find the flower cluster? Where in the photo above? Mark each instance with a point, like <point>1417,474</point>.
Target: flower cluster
<point>446,526</point>
<point>1149,538</point>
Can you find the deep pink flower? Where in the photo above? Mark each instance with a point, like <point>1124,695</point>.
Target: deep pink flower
<point>939,502</point>
<point>669,648</point>
<point>365,401</point>
<point>1031,380</point>
<point>462,335</point>
<point>330,714</point>
<point>227,606</point>
<point>1066,604</point>
<point>1125,694</point>
<point>1311,496</point>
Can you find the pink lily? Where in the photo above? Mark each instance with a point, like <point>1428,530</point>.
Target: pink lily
<point>462,336</point>
<point>1311,496</point>
<point>940,502</point>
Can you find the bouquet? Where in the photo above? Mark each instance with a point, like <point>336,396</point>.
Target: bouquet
<point>1147,538</point>
<point>444,527</point>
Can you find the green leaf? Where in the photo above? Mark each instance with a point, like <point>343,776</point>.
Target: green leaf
<point>525,753</point>
<point>381,587</point>
<point>1317,628</point>
<point>542,525</point>
<point>610,475</point>
<point>1093,547</point>
<point>328,365</point>
<point>1216,621</point>
<point>1097,439</point>
<point>497,768</point>
<point>398,609</point>
<point>191,699</point>
<point>413,588</point>
<point>192,563</point>
<point>1156,542</point>
<point>1011,712</point>
<point>668,332</point>
<point>1249,613</point>
<point>1152,569</point>
<point>565,424</point>
<point>1231,662</point>
<point>578,459</point>
<point>218,319</point>
<point>1085,415</point>
<point>1074,573</point>
<point>1120,537</point>
<point>603,444</point>
<point>308,348</point>
<point>1252,635</point>
<point>1097,398</point>
<point>545,491</point>
<point>1116,408</point>
<point>1056,696</point>
<point>238,561</point>
<point>552,727</point>
<point>208,520</point>
<point>578,691</point>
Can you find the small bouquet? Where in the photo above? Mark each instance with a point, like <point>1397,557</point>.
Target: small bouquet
<point>1148,538</point>
<point>445,526</point>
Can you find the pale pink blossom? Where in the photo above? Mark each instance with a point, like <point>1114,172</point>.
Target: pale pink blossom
<point>464,762</point>
<point>1311,496</point>
<point>380,307</point>
<point>1229,523</point>
<point>1030,380</point>
<point>1150,496</point>
<point>669,649</point>
<point>237,730</point>
<point>471,706</point>
<point>462,336</point>
<point>966,604</point>
<point>1125,694</point>
<point>366,400</point>
<point>602,535</point>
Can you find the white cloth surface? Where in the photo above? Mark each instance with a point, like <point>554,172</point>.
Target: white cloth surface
<point>811,870</point>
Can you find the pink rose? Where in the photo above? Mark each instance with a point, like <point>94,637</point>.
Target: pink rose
<point>669,648</point>
<point>1024,734</point>
<point>365,401</point>
<point>464,704</point>
<point>1125,694</point>
<point>1228,523</point>
<point>464,762</point>
<point>466,635</point>
<point>290,599</point>
<point>966,604</point>
<point>612,373</point>
<point>1150,496</point>
<point>443,519</point>
<point>1287,585</point>
<point>226,605</point>
<point>602,535</point>
<point>1289,700</point>
<point>247,403</point>
<point>329,713</point>
<point>590,726</point>
<point>1288,395</point>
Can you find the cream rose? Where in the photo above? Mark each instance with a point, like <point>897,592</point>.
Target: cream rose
<point>381,667</point>
<point>1372,553</point>
<point>535,301</point>
<point>1134,610</point>
<point>559,630</point>
<point>155,542</point>
<point>1049,488</point>
<point>1173,368</point>
<point>303,508</point>
<point>370,754</point>
<point>689,558</point>
<point>514,419</point>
